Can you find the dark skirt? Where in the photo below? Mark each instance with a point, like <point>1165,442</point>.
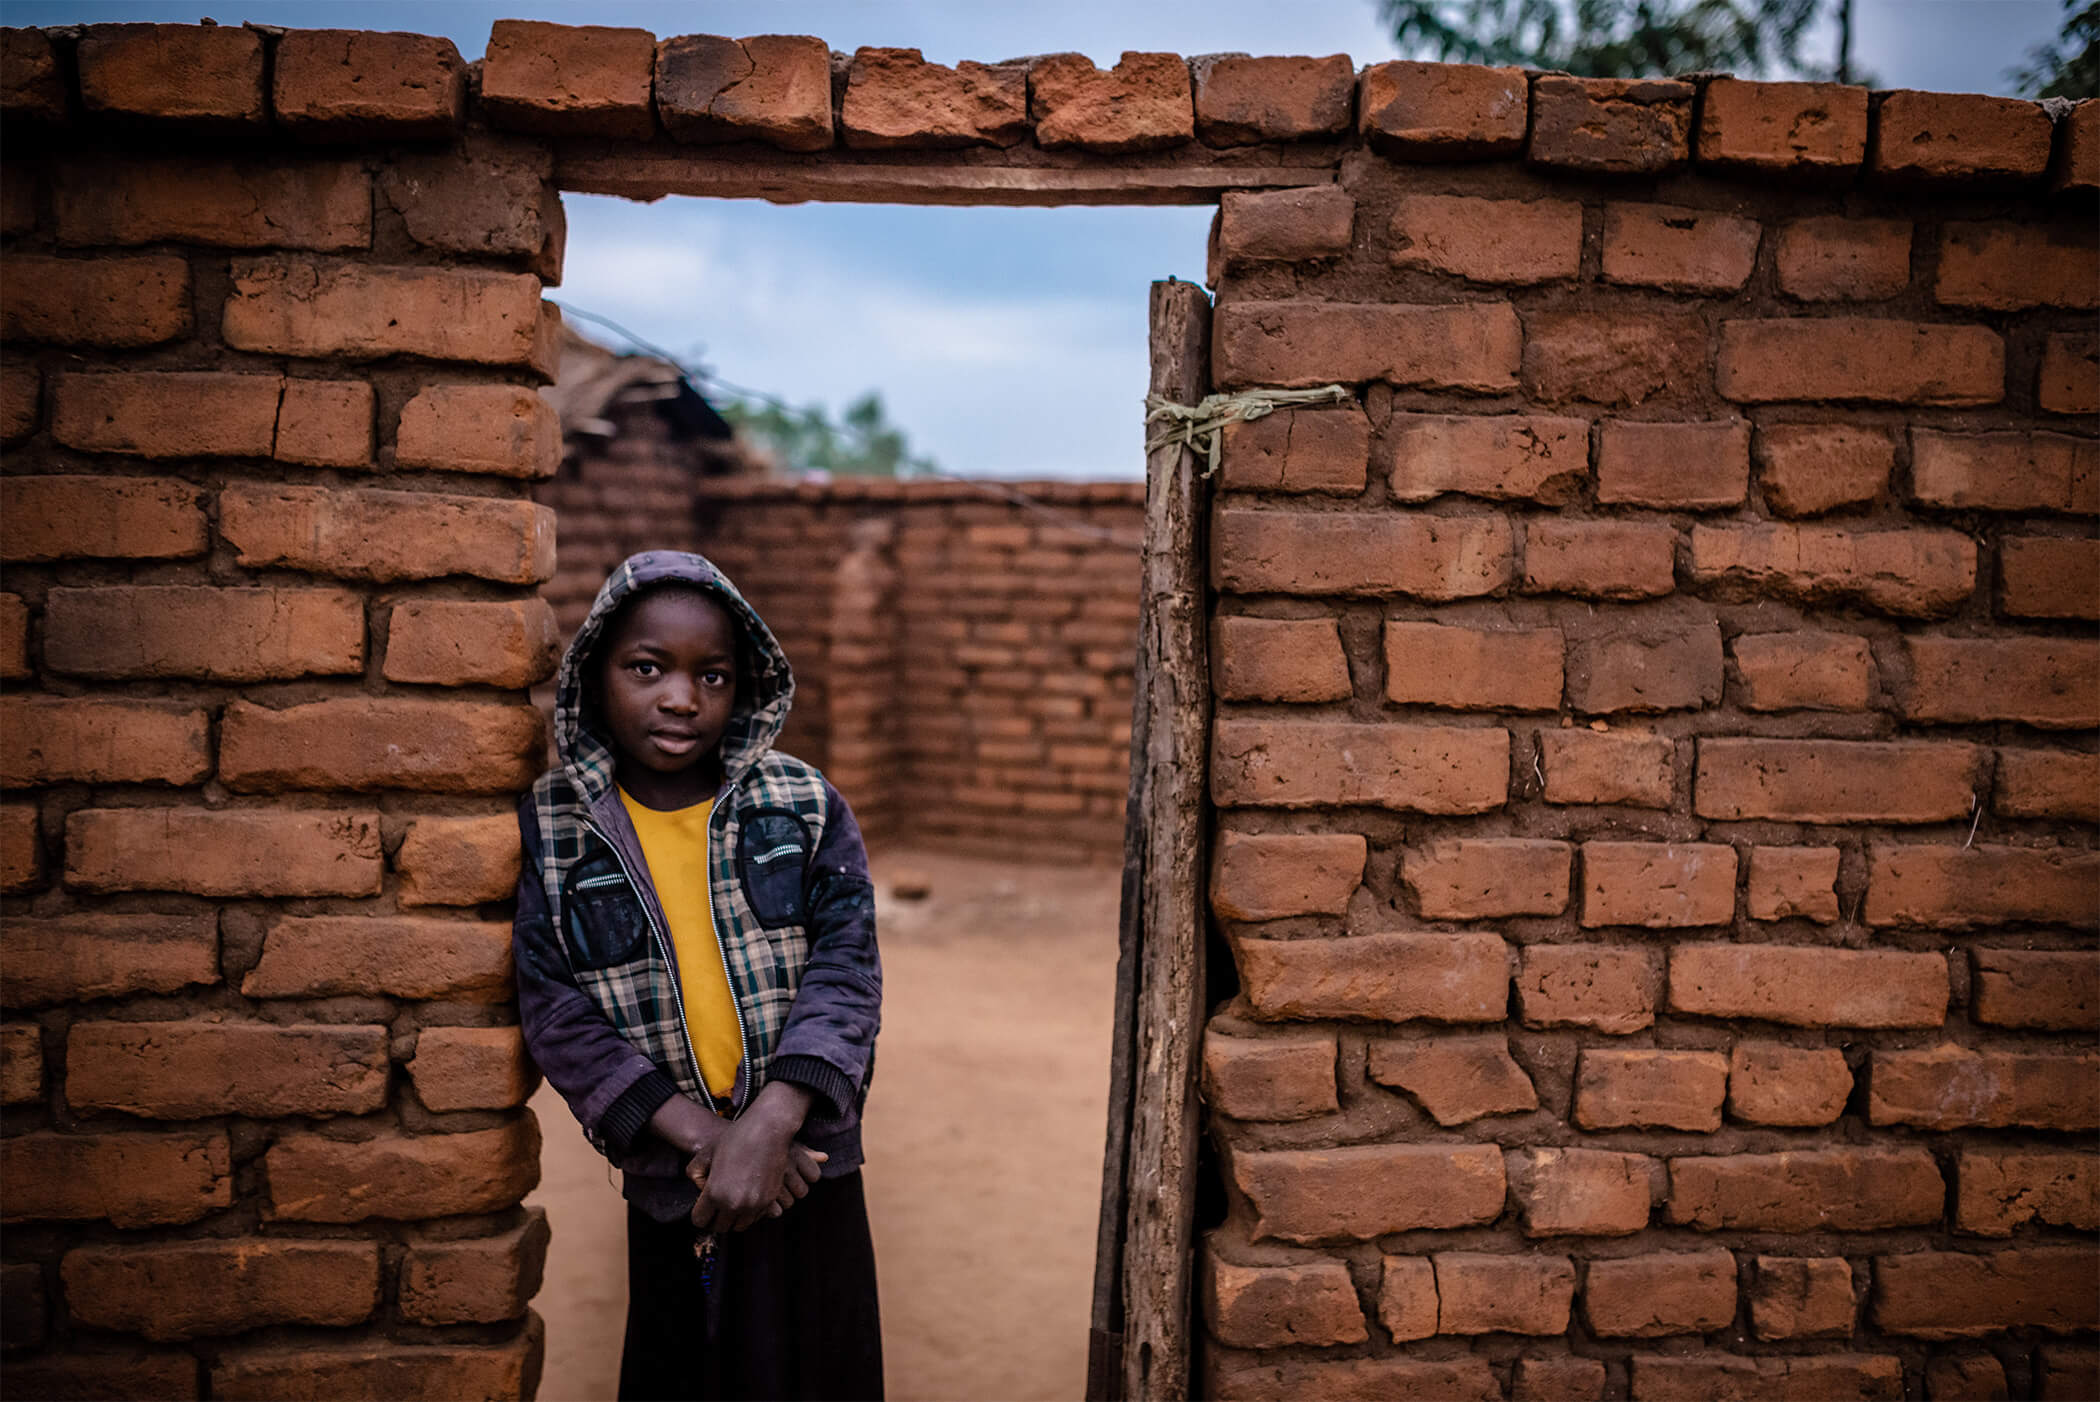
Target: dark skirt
<point>791,1313</point>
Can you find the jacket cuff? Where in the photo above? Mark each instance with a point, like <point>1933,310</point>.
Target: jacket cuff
<point>817,1075</point>
<point>626,1118</point>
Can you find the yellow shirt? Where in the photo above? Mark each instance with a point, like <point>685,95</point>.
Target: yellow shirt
<point>675,845</point>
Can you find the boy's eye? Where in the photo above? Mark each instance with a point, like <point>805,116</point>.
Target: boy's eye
<point>715,678</point>
<point>643,669</point>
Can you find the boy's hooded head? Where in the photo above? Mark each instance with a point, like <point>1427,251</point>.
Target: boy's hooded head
<point>666,678</point>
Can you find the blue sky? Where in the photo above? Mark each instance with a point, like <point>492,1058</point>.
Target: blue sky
<point>1007,342</point>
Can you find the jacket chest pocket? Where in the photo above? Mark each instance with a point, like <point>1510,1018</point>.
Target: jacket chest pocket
<point>772,852</point>
<point>602,917</point>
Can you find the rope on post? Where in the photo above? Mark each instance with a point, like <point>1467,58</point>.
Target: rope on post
<point>1203,424</point>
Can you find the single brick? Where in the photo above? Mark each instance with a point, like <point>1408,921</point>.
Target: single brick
<point>1651,1089</point>
<point>1913,573</point>
<point>1668,671</point>
<point>2050,683</point>
<point>326,309</point>
<point>1855,358</point>
<point>449,642</point>
<point>1473,878</point>
<point>1793,882</point>
<point>1996,1190</point>
<point>1805,986</point>
<point>1267,876</point>
<point>401,1177</point>
<point>1610,126</point>
<point>175,1290</point>
<point>1615,767</point>
<point>1580,1192</point>
<point>1280,659</point>
<point>1951,1087</point>
<point>1313,1303</point>
<point>111,518</point>
<point>1525,457</point>
<point>1425,557</point>
<point>130,1180</point>
<point>1616,360</point>
<point>1808,1190</point>
<point>1953,1295</point>
<point>1242,100</point>
<point>1481,1292</point>
<point>87,740</point>
<point>489,196</point>
<point>569,80</point>
<point>475,1280</point>
<point>1700,1377</point>
<point>1411,768</point>
<point>2010,267</point>
<point>1457,1079</point>
<point>194,73</point>
<point>896,99</point>
<point>1298,450</point>
<point>1244,1377</point>
<point>1770,1083</point>
<point>1284,226</point>
<point>1970,1377</point>
<point>1802,1297</point>
<point>1507,242</point>
<point>2049,577</point>
<point>472,1068</point>
<point>1384,977</point>
<point>21,844</point>
<point>1372,1190</point>
<point>78,958</point>
<point>774,88</point>
<point>1470,346</point>
<point>506,430</point>
<point>2056,990</point>
<point>2077,164</point>
<point>1607,987</point>
<point>1557,1378</point>
<point>1269,1078</point>
<point>242,853</point>
<point>1803,671</point>
<point>1679,250</point>
<point>320,956</point>
<point>325,423</point>
<point>125,200</point>
<point>185,630</point>
<point>168,414</point>
<point>1796,129</point>
<point>1941,137</point>
<point>14,638</point>
<point>192,1070</point>
<point>307,1373</point>
<point>1441,111</point>
<point>458,861</point>
<point>2048,784</point>
<point>1832,258</point>
<point>1660,1294</point>
<point>1837,781</point>
<point>117,302</point>
<point>21,396</point>
<point>1951,887</point>
<point>1407,1297</point>
<point>1600,559</point>
<point>347,84</point>
<point>32,87</point>
<point>1687,466</point>
<point>1472,669</point>
<point>2006,471</point>
<point>2069,380</point>
<point>386,536</point>
<point>21,1063</point>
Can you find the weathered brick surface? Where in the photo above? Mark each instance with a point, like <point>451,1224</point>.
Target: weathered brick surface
<point>1144,103</point>
<point>2001,268</point>
<point>1407,1297</point>
<point>2052,683</point>
<point>1386,978</point>
<point>1949,887</point>
<point>1696,1377</point>
<point>505,430</point>
<point>111,302</point>
<point>1456,1079</point>
<point>197,74</point>
<point>193,1070</point>
<point>1808,469</point>
<point>472,1068</point>
<point>384,536</point>
<point>1484,240</point>
<point>1308,1195</point>
<point>1952,1087</point>
<point>1272,226</point>
<point>488,196</point>
<point>14,638</point>
<point>1959,137</point>
<point>2078,163</point>
<point>321,205</point>
<point>1618,361</point>
<point>1242,99</point>
<point>1782,128</point>
<point>1277,1306</point>
<point>1279,659</point>
<point>1298,450</point>
<point>32,90</point>
<point>168,415</point>
<point>1469,878</point>
<point>1679,250</point>
<point>21,396</point>
<point>1424,557</point>
<point>21,848</point>
<point>1441,111</point>
<point>1588,766</point>
<point>1770,1083</point>
<point>1799,1297</point>
<point>76,958</point>
<point>184,630</point>
<point>194,1289</point>
<point>316,308</point>
<point>1954,1295</point>
<point>1803,671</point>
<point>130,1180</point>
<point>316,956</point>
<point>1844,358</point>
<point>1916,573</point>
<point>1653,1089</point>
<point>1426,769</point>
<point>1610,126</point>
<point>382,743</point>
<point>1270,876</point>
<point>2005,471</point>
<point>1580,1192</point>
<point>476,1280</point>
<point>1646,672</point>
<point>446,642</point>
<point>236,852</point>
<point>1657,1295</point>
<point>1608,987</point>
<point>1674,466</point>
<point>1809,987</point>
<point>2035,783</point>
<point>1846,1190</point>
<point>1790,882</point>
<point>2055,990</point>
<point>1501,456</point>
<point>1473,669</point>
<point>1969,1377</point>
<point>397,1177</point>
<point>569,80</point>
<point>1249,1377</point>
<point>1600,559</point>
<point>1483,1293</point>
<point>1657,885</point>
<point>1844,260</point>
<point>338,84</point>
<point>1837,781</point>
<point>2069,380</point>
<point>21,1063</point>
<point>1557,1378</point>
<point>306,1373</point>
<point>458,861</point>
<point>774,88</point>
<point>1997,1190</point>
<point>2049,577</point>
<point>47,740</point>
<point>1473,346</point>
<point>1269,1078</point>
<point>895,99</point>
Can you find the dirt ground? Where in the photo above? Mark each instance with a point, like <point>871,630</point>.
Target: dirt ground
<point>983,1139</point>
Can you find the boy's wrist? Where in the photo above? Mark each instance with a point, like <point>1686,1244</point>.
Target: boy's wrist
<point>688,1125</point>
<point>781,1107</point>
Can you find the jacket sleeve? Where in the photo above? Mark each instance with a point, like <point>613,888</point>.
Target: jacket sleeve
<point>828,1043</point>
<point>611,1088</point>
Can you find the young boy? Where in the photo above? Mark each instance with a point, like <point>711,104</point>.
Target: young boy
<point>697,976</point>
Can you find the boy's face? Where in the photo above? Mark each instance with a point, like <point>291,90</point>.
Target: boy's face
<point>669,680</point>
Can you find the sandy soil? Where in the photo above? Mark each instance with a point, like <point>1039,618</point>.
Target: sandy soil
<point>984,1135</point>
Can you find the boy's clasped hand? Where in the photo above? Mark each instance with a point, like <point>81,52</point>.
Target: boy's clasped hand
<point>749,1168</point>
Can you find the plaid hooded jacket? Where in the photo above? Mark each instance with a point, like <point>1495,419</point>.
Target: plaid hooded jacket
<point>598,989</point>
